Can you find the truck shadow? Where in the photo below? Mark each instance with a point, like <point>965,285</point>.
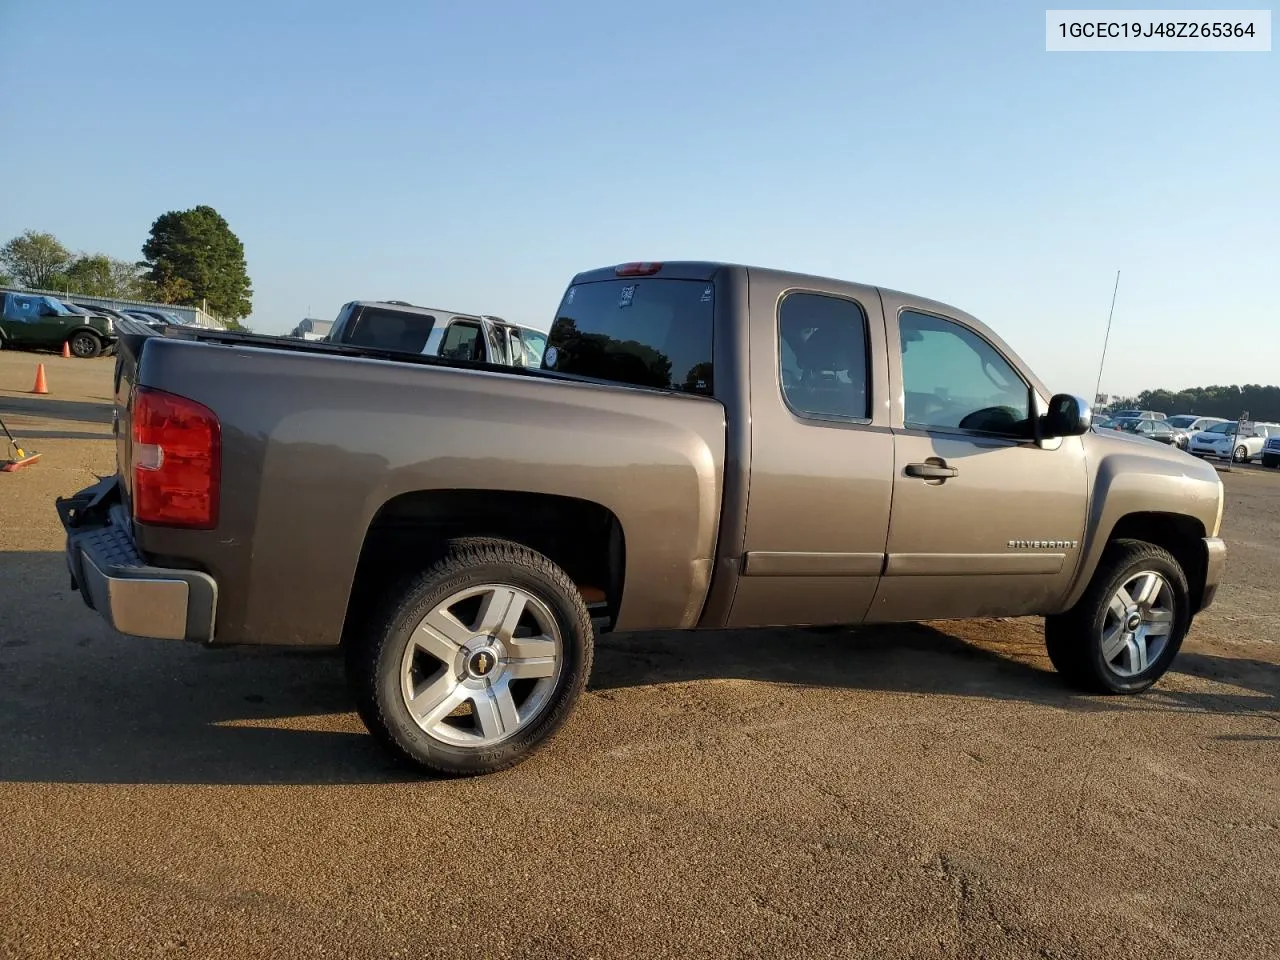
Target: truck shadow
<point>80,411</point>
<point>81,704</point>
<point>994,660</point>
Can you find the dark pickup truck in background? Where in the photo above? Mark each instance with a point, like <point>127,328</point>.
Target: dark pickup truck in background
<point>704,446</point>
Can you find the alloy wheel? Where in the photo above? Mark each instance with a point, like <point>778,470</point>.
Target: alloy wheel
<point>482,665</point>
<point>1138,624</point>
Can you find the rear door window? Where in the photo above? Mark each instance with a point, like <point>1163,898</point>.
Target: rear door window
<point>462,341</point>
<point>645,331</point>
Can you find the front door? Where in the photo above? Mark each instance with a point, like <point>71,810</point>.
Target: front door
<point>987,521</point>
<point>821,455</point>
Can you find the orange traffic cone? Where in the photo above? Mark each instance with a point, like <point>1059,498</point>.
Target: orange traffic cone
<point>41,386</point>
<point>66,349</point>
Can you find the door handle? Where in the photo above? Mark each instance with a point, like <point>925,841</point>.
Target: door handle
<point>931,471</point>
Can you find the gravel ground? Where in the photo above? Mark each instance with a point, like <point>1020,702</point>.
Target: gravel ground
<point>925,791</point>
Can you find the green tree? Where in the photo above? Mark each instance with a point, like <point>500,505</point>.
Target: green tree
<point>192,256</point>
<point>35,259</point>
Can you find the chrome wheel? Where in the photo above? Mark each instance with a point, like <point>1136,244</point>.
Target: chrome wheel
<point>1241,454</point>
<point>482,665</point>
<point>1138,623</point>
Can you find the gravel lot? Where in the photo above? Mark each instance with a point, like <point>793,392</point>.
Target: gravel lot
<point>928,791</point>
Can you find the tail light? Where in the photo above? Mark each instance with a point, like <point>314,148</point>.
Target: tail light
<point>177,461</point>
<point>637,269</point>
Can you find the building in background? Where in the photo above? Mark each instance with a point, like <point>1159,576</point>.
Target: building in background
<point>312,329</point>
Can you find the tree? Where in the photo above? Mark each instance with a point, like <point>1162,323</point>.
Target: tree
<point>192,256</point>
<point>35,259</point>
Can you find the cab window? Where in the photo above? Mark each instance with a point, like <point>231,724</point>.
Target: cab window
<point>952,379</point>
<point>822,345</point>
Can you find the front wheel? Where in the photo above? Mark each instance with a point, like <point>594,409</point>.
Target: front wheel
<point>1124,632</point>
<point>84,345</point>
<point>475,663</point>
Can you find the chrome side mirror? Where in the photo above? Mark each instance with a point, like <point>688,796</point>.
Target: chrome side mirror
<point>1068,416</point>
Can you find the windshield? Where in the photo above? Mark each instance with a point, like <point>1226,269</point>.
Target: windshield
<point>1181,422</point>
<point>535,344</point>
<point>1228,427</point>
<point>58,307</point>
<point>646,331</point>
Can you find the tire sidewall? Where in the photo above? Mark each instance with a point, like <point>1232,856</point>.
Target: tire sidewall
<point>574,652</point>
<point>1167,568</point>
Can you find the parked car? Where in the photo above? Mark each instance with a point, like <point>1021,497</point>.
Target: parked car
<point>1221,441</point>
<point>402,327</point>
<point>1137,415</point>
<point>35,320</point>
<point>706,446</point>
<point>1271,451</point>
<point>1157,430</point>
<point>1187,425</point>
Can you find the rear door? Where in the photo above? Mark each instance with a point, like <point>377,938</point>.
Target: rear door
<point>986,520</point>
<point>22,318</point>
<point>821,454</point>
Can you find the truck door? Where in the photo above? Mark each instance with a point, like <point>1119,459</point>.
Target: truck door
<point>986,521</point>
<point>821,454</point>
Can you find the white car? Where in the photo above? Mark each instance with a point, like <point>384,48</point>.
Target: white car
<point>1220,441</point>
<point>1187,425</point>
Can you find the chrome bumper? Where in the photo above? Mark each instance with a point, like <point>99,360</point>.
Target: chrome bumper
<point>113,578</point>
<point>1215,555</point>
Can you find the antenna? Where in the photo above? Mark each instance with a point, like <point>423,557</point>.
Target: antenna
<point>1098,388</point>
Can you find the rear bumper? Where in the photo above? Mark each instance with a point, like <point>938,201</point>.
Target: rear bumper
<point>1215,567</point>
<point>134,597</point>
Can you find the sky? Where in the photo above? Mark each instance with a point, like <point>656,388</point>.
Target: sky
<point>474,156</point>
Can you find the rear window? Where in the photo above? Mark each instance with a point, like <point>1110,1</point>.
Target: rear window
<point>645,331</point>
<point>390,330</point>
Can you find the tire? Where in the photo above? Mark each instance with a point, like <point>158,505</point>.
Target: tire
<point>497,673</point>
<point>84,345</point>
<point>1271,462</point>
<point>1075,639</point>
<point>1240,454</point>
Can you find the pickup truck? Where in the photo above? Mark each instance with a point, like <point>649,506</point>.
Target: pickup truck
<point>704,446</point>
<point>34,320</point>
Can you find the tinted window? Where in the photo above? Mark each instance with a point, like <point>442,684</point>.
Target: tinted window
<point>1181,422</point>
<point>646,331</point>
<point>822,343</point>
<point>462,342</point>
<point>952,378</point>
<point>390,330</point>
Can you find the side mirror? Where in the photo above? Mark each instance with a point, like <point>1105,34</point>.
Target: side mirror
<point>1068,416</point>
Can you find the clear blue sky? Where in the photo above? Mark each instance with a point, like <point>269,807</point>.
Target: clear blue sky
<point>474,156</point>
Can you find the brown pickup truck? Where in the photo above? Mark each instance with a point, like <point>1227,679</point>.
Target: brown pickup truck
<point>705,446</point>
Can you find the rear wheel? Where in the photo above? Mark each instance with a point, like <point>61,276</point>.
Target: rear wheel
<point>1124,632</point>
<point>84,345</point>
<point>1241,454</point>
<point>475,663</point>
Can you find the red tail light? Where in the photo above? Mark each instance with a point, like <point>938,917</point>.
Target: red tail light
<point>637,269</point>
<point>177,461</point>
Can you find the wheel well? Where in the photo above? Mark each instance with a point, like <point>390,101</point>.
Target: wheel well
<point>1180,535</point>
<point>583,538</point>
